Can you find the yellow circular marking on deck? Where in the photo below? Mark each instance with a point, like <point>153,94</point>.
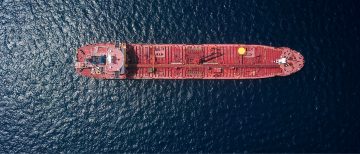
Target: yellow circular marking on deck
<point>241,51</point>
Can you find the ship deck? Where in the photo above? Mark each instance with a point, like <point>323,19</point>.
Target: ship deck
<point>180,61</point>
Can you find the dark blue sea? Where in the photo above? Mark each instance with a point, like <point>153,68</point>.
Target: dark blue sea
<point>45,107</point>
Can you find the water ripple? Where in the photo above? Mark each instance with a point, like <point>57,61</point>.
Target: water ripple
<point>45,107</point>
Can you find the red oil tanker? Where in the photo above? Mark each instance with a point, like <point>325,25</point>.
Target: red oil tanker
<point>184,61</point>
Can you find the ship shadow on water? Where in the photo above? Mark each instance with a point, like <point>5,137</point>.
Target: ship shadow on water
<point>133,59</point>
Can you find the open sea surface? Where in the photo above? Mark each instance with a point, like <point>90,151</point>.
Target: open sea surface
<point>45,107</point>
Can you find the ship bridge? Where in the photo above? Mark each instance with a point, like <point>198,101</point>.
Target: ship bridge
<point>102,60</point>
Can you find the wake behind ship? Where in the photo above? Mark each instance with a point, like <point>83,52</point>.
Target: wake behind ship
<point>183,61</point>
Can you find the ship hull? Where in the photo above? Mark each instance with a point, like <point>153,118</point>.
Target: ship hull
<point>182,61</point>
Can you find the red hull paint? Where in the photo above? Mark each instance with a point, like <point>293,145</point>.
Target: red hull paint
<point>182,61</point>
